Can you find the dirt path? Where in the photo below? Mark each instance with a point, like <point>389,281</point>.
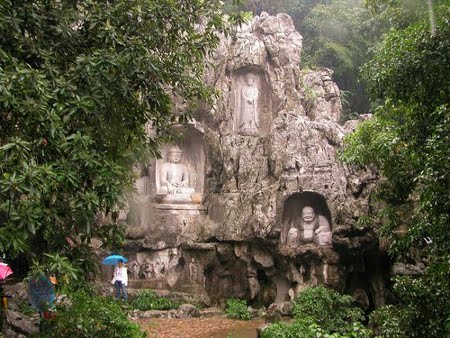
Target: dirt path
<point>213,327</point>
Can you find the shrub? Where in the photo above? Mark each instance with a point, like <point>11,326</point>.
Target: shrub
<point>149,300</point>
<point>285,330</point>
<point>238,309</point>
<point>306,328</point>
<point>422,309</point>
<point>390,321</point>
<point>92,316</point>
<point>327,308</point>
<point>320,312</point>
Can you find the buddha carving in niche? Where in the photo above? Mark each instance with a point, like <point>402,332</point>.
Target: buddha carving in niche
<point>174,176</point>
<point>311,229</point>
<point>248,123</point>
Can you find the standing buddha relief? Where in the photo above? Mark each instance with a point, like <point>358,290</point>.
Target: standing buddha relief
<point>248,123</point>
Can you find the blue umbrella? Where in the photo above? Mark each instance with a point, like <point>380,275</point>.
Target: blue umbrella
<point>114,260</point>
<point>41,293</point>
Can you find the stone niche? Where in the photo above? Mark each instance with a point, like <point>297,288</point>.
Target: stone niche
<point>252,102</point>
<point>177,212</point>
<point>306,220</point>
<point>167,208</point>
<point>179,175</point>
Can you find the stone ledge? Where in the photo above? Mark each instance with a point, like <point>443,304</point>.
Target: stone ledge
<point>185,311</point>
<point>196,207</point>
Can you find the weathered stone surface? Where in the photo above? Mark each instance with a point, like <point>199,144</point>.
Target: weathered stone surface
<point>211,312</point>
<point>262,257</point>
<point>408,269</point>
<point>286,309</point>
<point>273,313</point>
<point>21,325</point>
<point>18,293</point>
<point>262,312</point>
<point>265,151</point>
<point>154,314</point>
<point>188,311</point>
<point>321,95</point>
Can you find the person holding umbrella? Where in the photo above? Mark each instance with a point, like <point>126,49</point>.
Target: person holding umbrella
<point>5,271</point>
<point>120,280</point>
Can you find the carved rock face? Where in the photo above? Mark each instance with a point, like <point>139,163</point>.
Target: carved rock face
<point>276,200</point>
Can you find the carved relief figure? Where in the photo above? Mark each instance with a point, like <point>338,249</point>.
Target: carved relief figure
<point>147,270</point>
<point>323,234</point>
<point>174,259</point>
<point>134,269</point>
<point>312,229</point>
<point>260,221</point>
<point>174,176</point>
<point>193,270</point>
<point>160,269</point>
<point>313,279</point>
<point>315,228</point>
<point>293,237</point>
<point>249,123</point>
<point>323,155</point>
<point>308,225</point>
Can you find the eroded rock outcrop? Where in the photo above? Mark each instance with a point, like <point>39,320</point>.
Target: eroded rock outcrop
<point>258,205</point>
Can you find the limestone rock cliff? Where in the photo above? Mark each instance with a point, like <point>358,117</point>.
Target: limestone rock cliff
<point>251,167</point>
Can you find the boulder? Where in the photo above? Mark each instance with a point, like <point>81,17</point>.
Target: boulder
<point>21,324</point>
<point>187,311</point>
<point>286,309</point>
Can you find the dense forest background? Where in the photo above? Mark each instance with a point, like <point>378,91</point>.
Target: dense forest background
<point>340,34</point>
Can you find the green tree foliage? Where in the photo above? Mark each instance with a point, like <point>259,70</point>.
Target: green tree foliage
<point>408,141</point>
<point>238,309</point>
<point>321,312</point>
<point>297,9</point>
<point>79,80</point>
<point>92,316</point>
<point>327,308</point>
<point>400,13</point>
<point>337,34</point>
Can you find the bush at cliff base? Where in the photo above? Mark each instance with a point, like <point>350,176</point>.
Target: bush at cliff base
<point>92,316</point>
<point>149,300</point>
<point>321,312</point>
<point>237,309</point>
